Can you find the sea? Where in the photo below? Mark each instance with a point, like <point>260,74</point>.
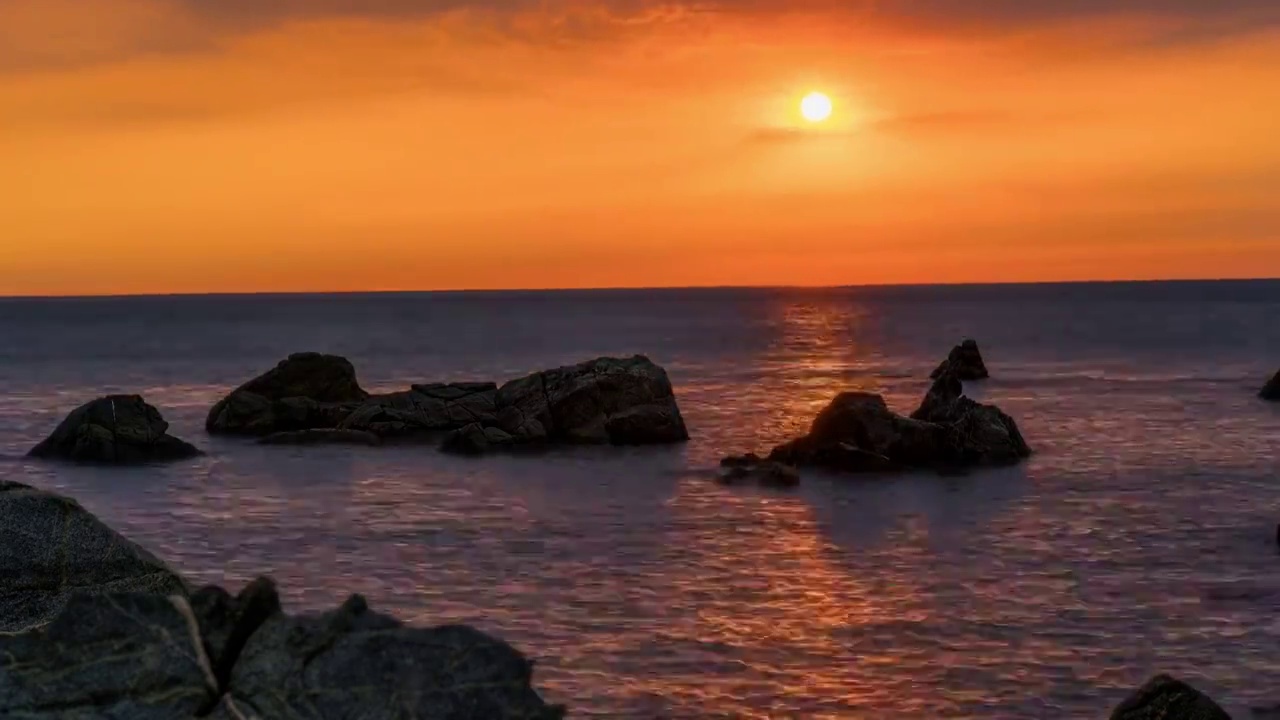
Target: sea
<point>1140,538</point>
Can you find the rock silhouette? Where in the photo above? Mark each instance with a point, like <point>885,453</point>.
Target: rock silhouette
<point>1167,698</point>
<point>751,468</point>
<point>964,361</point>
<point>52,548</point>
<point>302,392</point>
<point>1271,391</point>
<point>116,429</point>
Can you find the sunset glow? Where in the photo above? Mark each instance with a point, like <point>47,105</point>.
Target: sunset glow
<point>815,107</point>
<point>181,146</point>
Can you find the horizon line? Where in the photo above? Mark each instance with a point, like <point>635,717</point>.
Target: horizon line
<point>632,288</point>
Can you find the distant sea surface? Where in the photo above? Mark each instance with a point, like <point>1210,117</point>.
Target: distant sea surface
<point>1139,539</point>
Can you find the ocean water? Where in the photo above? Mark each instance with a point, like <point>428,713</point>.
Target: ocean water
<point>1140,538</point>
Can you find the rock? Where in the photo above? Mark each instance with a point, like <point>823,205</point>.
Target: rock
<point>227,623</point>
<point>135,656</point>
<point>476,439</point>
<point>114,429</point>
<point>425,409</point>
<point>51,548</point>
<point>364,664</point>
<point>858,433</point>
<point>619,401</point>
<point>964,361</point>
<point>738,461</point>
<point>765,472</point>
<point>1166,698</point>
<point>304,391</point>
<point>1271,391</point>
<point>322,437</point>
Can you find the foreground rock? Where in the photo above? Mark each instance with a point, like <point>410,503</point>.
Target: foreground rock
<point>120,429</point>
<point>1166,698</point>
<point>1271,391</point>
<point>135,656</point>
<point>303,392</point>
<point>617,401</point>
<point>858,433</point>
<point>148,656</point>
<point>51,548</point>
<point>964,361</point>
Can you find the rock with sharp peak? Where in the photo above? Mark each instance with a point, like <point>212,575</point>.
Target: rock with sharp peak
<point>1271,391</point>
<point>964,361</point>
<point>1167,698</point>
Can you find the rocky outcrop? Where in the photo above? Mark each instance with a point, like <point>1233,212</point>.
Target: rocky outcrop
<point>858,433</point>
<point>148,656</point>
<point>618,401</point>
<point>964,361</point>
<point>119,429</point>
<point>52,548</point>
<point>303,392</point>
<point>751,468</point>
<point>425,409</point>
<point>1166,698</point>
<point>322,437</point>
<point>1271,391</point>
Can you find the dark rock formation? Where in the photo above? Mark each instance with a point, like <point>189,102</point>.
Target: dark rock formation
<point>618,401</point>
<point>858,433</point>
<point>148,656</point>
<point>51,548</point>
<point>226,623</point>
<point>476,439</point>
<point>365,664</point>
<point>752,469</point>
<point>1166,698</point>
<point>425,409</point>
<point>322,437</point>
<point>114,429</point>
<point>304,391</point>
<point>964,361</point>
<point>133,655</point>
<point>1271,391</point>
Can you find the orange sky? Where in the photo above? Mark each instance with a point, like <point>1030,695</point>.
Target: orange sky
<point>157,146</point>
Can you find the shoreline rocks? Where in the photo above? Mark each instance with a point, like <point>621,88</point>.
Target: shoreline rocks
<point>305,391</point>
<point>751,468</point>
<point>964,361</point>
<point>1271,391</point>
<point>115,429</point>
<point>52,548</point>
<point>92,626</point>
<point>1166,698</point>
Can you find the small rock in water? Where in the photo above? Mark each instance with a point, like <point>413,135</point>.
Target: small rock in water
<point>1167,698</point>
<point>965,361</point>
<point>749,468</point>
<point>116,429</point>
<point>1271,391</point>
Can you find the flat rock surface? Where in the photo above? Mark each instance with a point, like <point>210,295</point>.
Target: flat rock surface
<point>51,547</point>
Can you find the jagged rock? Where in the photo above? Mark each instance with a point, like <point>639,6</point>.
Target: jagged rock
<point>762,472</point>
<point>740,461</point>
<point>364,664</point>
<point>304,391</point>
<point>322,437</point>
<point>135,656</point>
<point>476,439</point>
<point>619,401</point>
<point>425,409</point>
<point>114,429</point>
<point>858,433</point>
<point>1166,698</point>
<point>226,623</point>
<point>938,404</point>
<point>51,547</point>
<point>1271,391</point>
<point>964,361</point>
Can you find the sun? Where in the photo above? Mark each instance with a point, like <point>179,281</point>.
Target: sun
<point>815,107</point>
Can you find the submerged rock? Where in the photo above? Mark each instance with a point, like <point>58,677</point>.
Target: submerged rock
<point>1271,391</point>
<point>1166,698</point>
<point>321,436</point>
<point>304,391</point>
<point>964,361</point>
<point>750,469</point>
<point>52,548</point>
<point>365,664</point>
<point>618,401</point>
<point>133,655</point>
<point>121,429</point>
